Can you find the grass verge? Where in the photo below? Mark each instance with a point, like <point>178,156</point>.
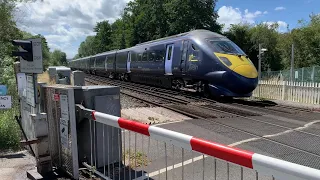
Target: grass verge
<point>9,130</point>
<point>137,159</point>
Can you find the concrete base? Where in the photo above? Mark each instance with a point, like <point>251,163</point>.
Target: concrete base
<point>77,78</point>
<point>34,175</point>
<point>44,165</point>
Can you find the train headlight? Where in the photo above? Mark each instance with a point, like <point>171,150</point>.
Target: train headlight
<point>226,61</point>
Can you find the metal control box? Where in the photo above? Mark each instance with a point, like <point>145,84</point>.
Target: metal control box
<point>71,139</point>
<point>60,109</point>
<point>105,99</point>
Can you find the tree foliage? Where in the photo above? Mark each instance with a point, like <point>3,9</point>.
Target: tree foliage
<point>58,58</point>
<point>148,20</point>
<point>306,40</point>
<point>87,47</point>
<point>8,32</point>
<point>249,37</point>
<point>143,20</point>
<point>9,130</point>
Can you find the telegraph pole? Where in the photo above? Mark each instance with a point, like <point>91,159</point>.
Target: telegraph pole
<point>259,64</point>
<point>261,51</point>
<point>292,63</point>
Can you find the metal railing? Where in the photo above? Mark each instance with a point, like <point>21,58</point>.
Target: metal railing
<point>302,92</point>
<point>304,74</point>
<point>151,152</point>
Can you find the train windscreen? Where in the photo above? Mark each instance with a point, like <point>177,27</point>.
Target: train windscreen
<point>225,46</point>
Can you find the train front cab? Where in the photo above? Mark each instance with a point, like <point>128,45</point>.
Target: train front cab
<point>235,75</point>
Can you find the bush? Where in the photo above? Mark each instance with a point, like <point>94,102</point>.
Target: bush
<point>9,130</point>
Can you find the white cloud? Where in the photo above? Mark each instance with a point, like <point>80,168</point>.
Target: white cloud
<point>65,23</point>
<point>229,15</point>
<point>279,8</point>
<point>282,25</point>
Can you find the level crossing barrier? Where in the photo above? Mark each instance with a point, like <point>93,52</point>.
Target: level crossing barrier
<point>207,160</point>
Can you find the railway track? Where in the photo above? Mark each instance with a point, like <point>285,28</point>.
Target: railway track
<point>257,105</point>
<point>198,107</point>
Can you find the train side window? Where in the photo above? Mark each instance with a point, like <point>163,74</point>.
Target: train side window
<point>160,55</point>
<point>101,62</point>
<point>144,56</point>
<point>195,51</point>
<point>139,57</point>
<point>133,58</point>
<point>151,55</point>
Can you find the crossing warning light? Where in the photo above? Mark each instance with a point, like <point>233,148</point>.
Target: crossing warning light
<point>25,49</point>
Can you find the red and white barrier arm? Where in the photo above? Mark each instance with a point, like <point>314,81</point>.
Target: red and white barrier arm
<point>277,168</point>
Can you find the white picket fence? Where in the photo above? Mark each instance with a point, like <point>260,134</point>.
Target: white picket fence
<point>304,92</point>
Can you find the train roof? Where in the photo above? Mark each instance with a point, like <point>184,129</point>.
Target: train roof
<point>59,67</point>
<point>80,59</point>
<point>105,53</point>
<point>201,33</point>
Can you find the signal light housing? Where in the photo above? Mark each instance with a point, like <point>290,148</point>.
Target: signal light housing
<point>26,51</point>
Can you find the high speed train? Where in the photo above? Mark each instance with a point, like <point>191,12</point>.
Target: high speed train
<point>198,60</point>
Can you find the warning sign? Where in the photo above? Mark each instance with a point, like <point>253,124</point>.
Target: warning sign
<point>30,91</point>
<point>56,97</point>
<point>5,102</point>
<point>64,121</point>
<point>64,107</point>
<point>64,135</point>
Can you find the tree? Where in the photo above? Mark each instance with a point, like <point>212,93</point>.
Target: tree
<point>118,35</point>
<point>76,56</point>
<point>307,42</point>
<point>8,28</point>
<point>58,58</point>
<point>248,38</point>
<point>8,32</point>
<point>143,21</point>
<point>102,41</point>
<point>186,15</point>
<point>240,35</point>
<point>87,47</point>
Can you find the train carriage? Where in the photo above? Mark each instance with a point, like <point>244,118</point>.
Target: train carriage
<point>198,60</point>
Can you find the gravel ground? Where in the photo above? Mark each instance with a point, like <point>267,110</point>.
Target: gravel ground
<point>153,115</point>
<point>15,164</point>
<point>127,101</point>
<point>147,97</point>
<point>130,102</point>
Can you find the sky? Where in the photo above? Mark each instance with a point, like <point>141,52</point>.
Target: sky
<point>66,23</point>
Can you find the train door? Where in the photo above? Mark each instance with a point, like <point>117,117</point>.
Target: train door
<point>106,64</point>
<point>128,62</point>
<point>168,61</point>
<point>184,55</point>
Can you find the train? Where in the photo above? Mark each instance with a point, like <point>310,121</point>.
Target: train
<point>199,61</point>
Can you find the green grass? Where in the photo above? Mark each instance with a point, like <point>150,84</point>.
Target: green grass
<point>9,130</point>
<point>137,159</point>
